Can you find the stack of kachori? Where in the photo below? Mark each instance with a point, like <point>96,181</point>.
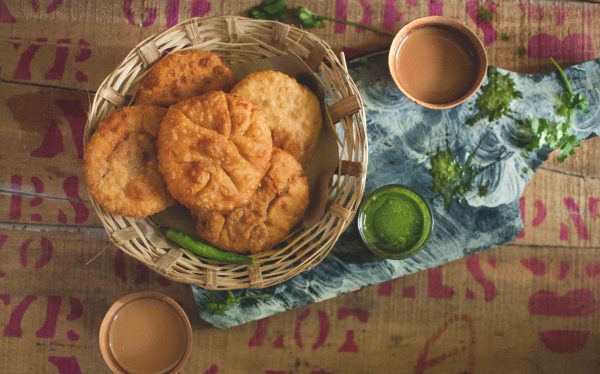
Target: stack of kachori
<point>235,160</point>
<point>213,151</point>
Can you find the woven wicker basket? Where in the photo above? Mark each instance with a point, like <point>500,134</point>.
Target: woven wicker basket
<point>238,39</point>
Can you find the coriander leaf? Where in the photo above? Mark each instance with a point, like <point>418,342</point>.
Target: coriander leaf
<point>451,178</point>
<point>567,147</point>
<point>309,19</point>
<point>558,136</point>
<point>270,9</point>
<point>214,305</point>
<point>216,308</point>
<point>219,305</point>
<point>563,76</point>
<point>535,125</point>
<point>495,97</point>
<point>553,135</point>
<point>278,10</point>
<point>231,299</point>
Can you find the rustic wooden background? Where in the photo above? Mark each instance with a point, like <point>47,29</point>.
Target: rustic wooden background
<point>528,307</point>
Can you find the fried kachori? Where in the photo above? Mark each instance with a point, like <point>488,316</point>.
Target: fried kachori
<point>121,165</point>
<point>213,151</point>
<point>276,207</point>
<point>184,74</point>
<point>291,109</point>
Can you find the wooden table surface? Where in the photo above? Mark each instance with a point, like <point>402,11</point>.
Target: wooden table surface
<point>528,307</point>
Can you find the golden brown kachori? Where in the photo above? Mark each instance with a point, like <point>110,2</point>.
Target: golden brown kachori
<point>121,166</point>
<point>213,150</point>
<point>276,207</point>
<point>292,111</point>
<point>184,74</point>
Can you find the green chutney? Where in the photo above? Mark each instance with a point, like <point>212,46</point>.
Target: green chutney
<point>394,221</point>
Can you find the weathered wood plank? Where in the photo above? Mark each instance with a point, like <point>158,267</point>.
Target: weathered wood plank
<point>88,40</point>
<point>25,209</point>
<point>583,164</point>
<point>466,303</point>
<point>562,210</point>
<point>42,132</point>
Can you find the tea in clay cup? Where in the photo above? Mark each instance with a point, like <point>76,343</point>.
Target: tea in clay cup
<point>437,62</point>
<point>145,332</point>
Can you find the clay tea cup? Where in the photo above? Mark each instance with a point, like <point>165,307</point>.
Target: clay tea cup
<point>437,62</point>
<point>145,332</point>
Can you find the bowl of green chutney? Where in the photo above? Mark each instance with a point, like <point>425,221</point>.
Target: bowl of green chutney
<point>394,221</point>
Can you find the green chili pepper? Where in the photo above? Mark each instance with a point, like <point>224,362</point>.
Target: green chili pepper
<point>205,250</point>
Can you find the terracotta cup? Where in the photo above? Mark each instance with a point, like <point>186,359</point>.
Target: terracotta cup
<point>114,309</point>
<point>448,23</point>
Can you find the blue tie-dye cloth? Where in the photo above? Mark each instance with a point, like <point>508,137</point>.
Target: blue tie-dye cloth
<point>402,137</point>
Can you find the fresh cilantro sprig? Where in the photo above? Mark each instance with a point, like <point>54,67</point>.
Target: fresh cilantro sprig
<point>555,134</point>
<point>494,102</point>
<point>270,9</point>
<point>218,305</point>
<point>451,178</point>
<point>495,97</point>
<point>309,19</point>
<point>278,10</point>
<point>570,101</point>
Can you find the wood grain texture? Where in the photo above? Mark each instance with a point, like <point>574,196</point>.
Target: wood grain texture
<point>403,315</point>
<point>86,41</point>
<point>480,307</point>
